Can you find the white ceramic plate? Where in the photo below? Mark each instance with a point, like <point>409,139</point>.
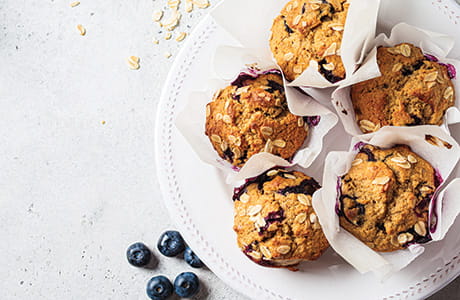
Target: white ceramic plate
<point>200,202</point>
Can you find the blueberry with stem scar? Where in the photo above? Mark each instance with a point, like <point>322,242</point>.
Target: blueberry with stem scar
<point>171,243</point>
<point>186,285</point>
<point>159,288</point>
<point>138,254</point>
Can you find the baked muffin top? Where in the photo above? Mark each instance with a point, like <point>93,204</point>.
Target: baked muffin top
<point>275,223</point>
<point>413,90</point>
<point>385,196</point>
<point>251,116</point>
<point>309,30</point>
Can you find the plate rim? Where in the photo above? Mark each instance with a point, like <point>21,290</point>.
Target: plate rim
<point>171,191</point>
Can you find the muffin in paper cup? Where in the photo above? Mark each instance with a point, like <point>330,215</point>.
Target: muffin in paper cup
<point>309,116</point>
<point>264,206</point>
<point>432,145</point>
<point>255,23</point>
<point>431,81</point>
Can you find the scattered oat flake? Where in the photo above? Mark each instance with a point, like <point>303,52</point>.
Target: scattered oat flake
<point>168,55</point>
<point>201,3</point>
<point>103,122</point>
<point>172,22</point>
<point>168,36</point>
<point>133,66</point>
<point>157,15</point>
<point>134,59</point>
<point>188,6</point>
<point>174,4</point>
<point>81,29</point>
<point>75,3</point>
<point>155,41</point>
<point>181,36</point>
<point>133,62</point>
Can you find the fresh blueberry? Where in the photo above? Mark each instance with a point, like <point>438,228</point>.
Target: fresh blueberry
<point>159,288</point>
<point>171,243</point>
<point>186,284</point>
<point>191,258</point>
<point>138,254</point>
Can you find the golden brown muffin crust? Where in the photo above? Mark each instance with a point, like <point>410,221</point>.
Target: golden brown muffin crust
<point>309,30</point>
<point>274,219</point>
<point>385,198</point>
<point>411,91</point>
<point>252,116</point>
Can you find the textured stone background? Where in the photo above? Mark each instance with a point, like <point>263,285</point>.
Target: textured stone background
<point>75,192</point>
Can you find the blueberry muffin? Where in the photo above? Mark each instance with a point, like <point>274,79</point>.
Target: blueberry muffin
<point>384,198</point>
<point>251,116</point>
<point>275,223</point>
<point>413,90</point>
<point>309,30</point>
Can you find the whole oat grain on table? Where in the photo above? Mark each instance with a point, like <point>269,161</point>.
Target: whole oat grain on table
<point>385,196</point>
<point>413,90</point>
<point>252,116</point>
<point>309,30</point>
<point>275,223</point>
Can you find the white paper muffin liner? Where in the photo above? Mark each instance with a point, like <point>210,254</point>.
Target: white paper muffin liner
<point>443,210</point>
<point>250,23</point>
<point>191,121</point>
<point>431,43</point>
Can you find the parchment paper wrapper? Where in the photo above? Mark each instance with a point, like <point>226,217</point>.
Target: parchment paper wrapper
<point>446,206</point>
<point>191,121</point>
<point>435,44</point>
<point>250,23</point>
